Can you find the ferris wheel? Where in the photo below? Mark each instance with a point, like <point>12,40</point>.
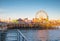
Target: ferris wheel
<point>41,15</point>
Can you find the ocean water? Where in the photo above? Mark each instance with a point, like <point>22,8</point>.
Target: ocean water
<point>39,35</point>
<point>42,35</point>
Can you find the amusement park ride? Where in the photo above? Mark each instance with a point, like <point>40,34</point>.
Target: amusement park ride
<point>41,20</point>
<point>41,15</point>
<point>44,20</point>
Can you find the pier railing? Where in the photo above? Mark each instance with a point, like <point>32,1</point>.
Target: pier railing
<point>12,35</point>
<point>21,37</point>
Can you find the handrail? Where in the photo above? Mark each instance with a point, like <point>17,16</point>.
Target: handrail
<point>22,35</point>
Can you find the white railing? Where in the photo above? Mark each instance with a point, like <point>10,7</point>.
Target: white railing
<point>21,37</point>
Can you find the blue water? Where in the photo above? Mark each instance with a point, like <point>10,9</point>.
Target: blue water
<point>42,35</point>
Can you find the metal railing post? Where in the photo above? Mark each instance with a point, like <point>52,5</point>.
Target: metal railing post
<point>21,36</point>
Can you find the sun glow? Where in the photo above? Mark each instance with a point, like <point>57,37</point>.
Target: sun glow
<point>41,19</point>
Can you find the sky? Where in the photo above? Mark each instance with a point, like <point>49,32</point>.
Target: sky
<point>28,8</point>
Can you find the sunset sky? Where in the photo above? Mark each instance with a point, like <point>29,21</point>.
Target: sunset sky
<point>28,8</point>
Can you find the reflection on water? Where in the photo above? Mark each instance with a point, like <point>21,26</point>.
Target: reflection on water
<point>42,35</point>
